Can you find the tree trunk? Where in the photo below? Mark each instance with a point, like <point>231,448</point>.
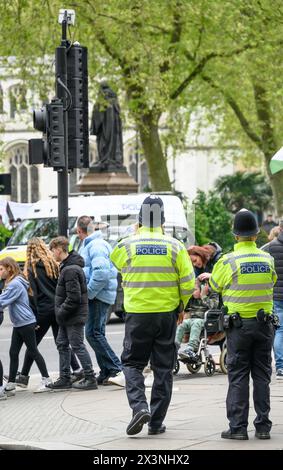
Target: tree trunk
<point>150,140</point>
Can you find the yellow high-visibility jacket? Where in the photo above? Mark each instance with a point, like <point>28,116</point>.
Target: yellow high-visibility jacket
<point>156,270</point>
<point>245,278</point>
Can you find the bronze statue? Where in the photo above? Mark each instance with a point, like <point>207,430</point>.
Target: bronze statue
<point>107,126</point>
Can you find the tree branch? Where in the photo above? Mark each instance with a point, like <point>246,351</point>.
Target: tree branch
<point>175,35</point>
<point>200,66</point>
<point>238,112</point>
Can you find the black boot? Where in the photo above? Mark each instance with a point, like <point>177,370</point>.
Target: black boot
<point>239,435</point>
<point>88,383</point>
<point>137,422</point>
<point>156,430</point>
<point>60,385</point>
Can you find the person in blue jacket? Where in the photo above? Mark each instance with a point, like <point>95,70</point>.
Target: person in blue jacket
<point>101,277</point>
<point>15,297</point>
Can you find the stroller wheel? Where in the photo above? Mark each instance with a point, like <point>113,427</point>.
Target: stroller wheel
<point>223,361</point>
<point>176,368</point>
<point>209,367</point>
<point>193,367</point>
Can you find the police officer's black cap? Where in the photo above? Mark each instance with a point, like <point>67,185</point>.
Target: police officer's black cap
<point>152,212</point>
<point>245,224</point>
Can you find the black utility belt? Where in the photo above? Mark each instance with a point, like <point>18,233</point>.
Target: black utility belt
<point>235,320</point>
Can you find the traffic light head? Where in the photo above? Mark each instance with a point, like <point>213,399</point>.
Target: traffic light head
<point>50,149</point>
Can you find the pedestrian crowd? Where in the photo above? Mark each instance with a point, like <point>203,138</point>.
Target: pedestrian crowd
<point>167,290</point>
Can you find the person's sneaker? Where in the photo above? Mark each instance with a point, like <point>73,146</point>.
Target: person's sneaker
<point>3,394</point>
<point>87,383</point>
<point>60,385</point>
<point>76,376</point>
<point>279,374</point>
<point>138,420</point>
<point>239,435</point>
<point>118,379</point>
<point>43,386</point>
<point>156,430</point>
<point>262,434</point>
<point>148,381</point>
<point>188,354</point>
<point>22,380</point>
<point>10,389</point>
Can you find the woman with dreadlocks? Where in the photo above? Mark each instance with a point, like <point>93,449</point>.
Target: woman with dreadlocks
<point>42,271</point>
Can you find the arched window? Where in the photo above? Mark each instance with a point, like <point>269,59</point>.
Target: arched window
<point>24,177</point>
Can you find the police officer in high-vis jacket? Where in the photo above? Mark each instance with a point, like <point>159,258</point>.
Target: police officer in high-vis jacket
<point>245,279</point>
<point>158,280</point>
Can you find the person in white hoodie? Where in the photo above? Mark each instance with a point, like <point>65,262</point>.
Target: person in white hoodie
<point>15,297</point>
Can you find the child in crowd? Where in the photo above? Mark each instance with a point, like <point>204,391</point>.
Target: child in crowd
<point>15,297</point>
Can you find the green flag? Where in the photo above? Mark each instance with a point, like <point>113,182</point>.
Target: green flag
<point>276,163</point>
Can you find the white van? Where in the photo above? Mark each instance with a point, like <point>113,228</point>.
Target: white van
<point>120,212</point>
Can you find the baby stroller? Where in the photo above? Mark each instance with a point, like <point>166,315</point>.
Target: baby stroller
<point>213,333</point>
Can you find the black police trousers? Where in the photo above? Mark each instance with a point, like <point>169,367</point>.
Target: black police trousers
<point>249,352</point>
<point>150,336</point>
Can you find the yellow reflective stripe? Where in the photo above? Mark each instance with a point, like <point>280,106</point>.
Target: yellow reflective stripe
<point>187,278</point>
<point>129,254</point>
<point>148,269</point>
<point>174,255</point>
<point>247,300</point>
<point>146,240</point>
<point>243,287</point>
<point>247,255</point>
<point>186,291</point>
<point>142,285</point>
<point>214,283</point>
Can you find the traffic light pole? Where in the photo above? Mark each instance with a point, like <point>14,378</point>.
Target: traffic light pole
<point>61,85</point>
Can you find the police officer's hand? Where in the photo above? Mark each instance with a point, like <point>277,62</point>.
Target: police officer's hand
<point>180,317</point>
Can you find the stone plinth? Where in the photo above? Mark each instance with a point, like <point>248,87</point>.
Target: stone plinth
<point>107,183</point>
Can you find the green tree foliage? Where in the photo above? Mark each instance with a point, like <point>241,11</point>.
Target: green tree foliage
<point>168,58</point>
<point>152,51</point>
<point>212,221</point>
<point>247,89</point>
<point>5,234</point>
<point>262,238</point>
<point>249,190</point>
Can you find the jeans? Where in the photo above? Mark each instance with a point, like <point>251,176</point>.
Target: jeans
<point>278,341</point>
<point>44,322</point>
<point>73,336</point>
<point>95,334</point>
<point>194,327</point>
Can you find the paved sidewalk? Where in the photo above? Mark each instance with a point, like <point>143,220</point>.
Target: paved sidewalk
<point>98,419</point>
